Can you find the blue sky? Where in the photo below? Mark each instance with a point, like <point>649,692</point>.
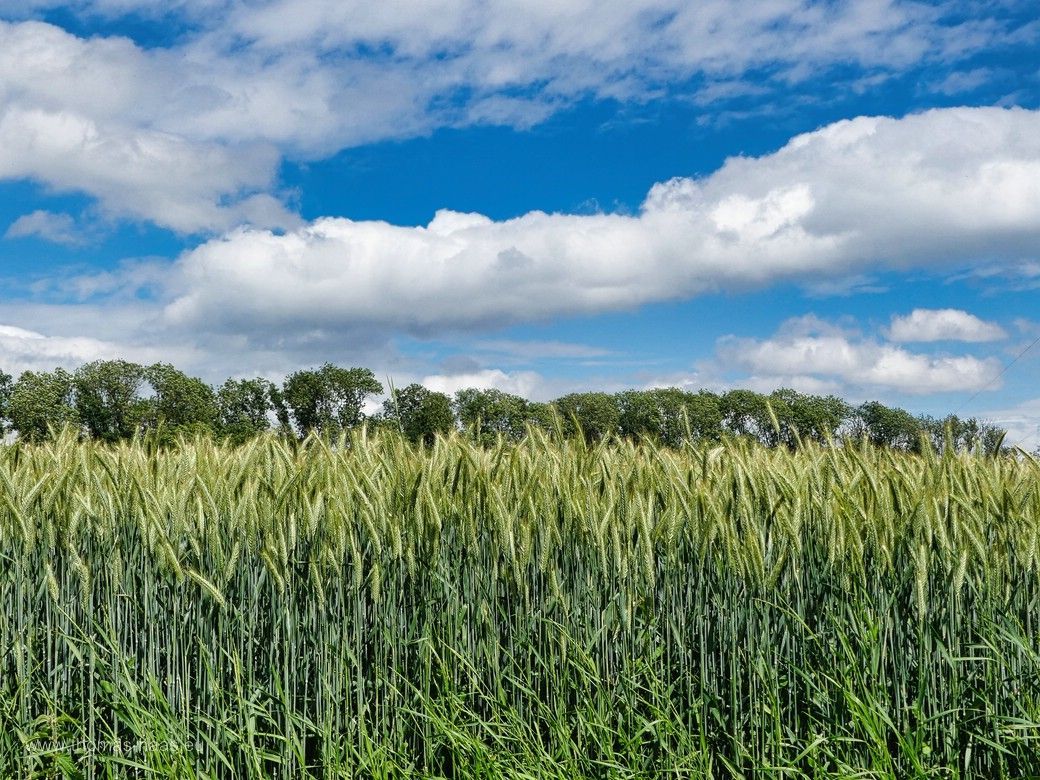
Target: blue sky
<point>541,197</point>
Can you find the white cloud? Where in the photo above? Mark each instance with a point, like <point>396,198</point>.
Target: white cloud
<point>56,228</point>
<point>938,190</point>
<point>1021,421</point>
<point>1026,326</point>
<point>943,325</point>
<point>581,44</point>
<point>190,136</point>
<point>522,383</point>
<point>928,191</point>
<point>959,82</point>
<point>573,45</point>
<point>808,349</point>
<point>107,118</point>
<point>24,350</point>
<point>803,383</point>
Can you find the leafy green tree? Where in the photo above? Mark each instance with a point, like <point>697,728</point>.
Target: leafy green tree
<point>488,414</point>
<point>808,417</point>
<point>6,388</point>
<point>746,413</point>
<point>960,434</point>
<point>244,407</point>
<point>42,401</point>
<point>281,410</point>
<point>180,403</point>
<point>703,410</point>
<point>328,399</point>
<point>669,415</point>
<point>885,426</point>
<point>596,415</point>
<point>419,413</point>
<point>991,441</point>
<point>639,414</point>
<point>107,398</point>
<point>544,416</point>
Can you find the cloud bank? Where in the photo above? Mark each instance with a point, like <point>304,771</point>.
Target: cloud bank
<point>941,191</point>
<point>943,325</point>
<point>190,135</point>
<point>813,355</point>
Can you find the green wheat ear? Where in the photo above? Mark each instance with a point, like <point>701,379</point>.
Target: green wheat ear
<point>541,608</point>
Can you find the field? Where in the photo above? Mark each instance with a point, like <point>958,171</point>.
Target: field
<point>545,609</point>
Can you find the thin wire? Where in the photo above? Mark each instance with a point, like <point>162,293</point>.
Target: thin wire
<point>1003,371</point>
<point>1032,440</point>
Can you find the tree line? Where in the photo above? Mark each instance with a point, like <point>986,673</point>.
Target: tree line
<point>115,400</point>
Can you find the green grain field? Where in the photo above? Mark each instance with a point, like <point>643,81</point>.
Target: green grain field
<point>545,609</point>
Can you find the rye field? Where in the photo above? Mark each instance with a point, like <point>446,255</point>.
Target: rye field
<point>541,609</point>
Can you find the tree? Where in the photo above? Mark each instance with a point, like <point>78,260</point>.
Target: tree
<point>669,415</point>
<point>328,399</point>
<point>488,414</point>
<point>107,400</point>
<point>543,415</point>
<point>746,413</point>
<point>596,415</point>
<point>181,403</point>
<point>640,415</point>
<point>885,426</point>
<point>808,417</point>
<point>419,413</point>
<point>243,408</point>
<point>281,410</point>
<point>959,434</point>
<point>6,388</point>
<point>41,402</point>
<point>703,409</point>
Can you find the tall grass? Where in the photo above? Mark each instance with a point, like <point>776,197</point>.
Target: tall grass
<point>545,609</point>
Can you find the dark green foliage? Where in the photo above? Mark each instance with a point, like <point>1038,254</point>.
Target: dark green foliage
<point>281,409</point>
<point>808,417</point>
<point>419,413</point>
<point>596,415</point>
<point>669,415</point>
<point>329,399</point>
<point>243,408</point>
<point>889,427</point>
<point>107,399</point>
<point>959,434</point>
<point>746,413</point>
<point>104,399</point>
<point>180,404</point>
<point>488,414</point>
<point>40,402</point>
<point>544,417</point>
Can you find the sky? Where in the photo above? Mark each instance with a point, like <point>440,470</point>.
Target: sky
<point>543,197</point>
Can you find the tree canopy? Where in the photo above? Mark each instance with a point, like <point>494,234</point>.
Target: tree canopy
<point>42,401</point>
<point>419,413</point>
<point>329,399</point>
<point>114,400</point>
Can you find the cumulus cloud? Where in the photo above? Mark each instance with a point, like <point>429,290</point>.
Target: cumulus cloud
<point>87,116</point>
<point>943,325</point>
<point>1021,421</point>
<point>26,350</point>
<point>56,228</point>
<point>190,135</point>
<point>523,383</point>
<point>579,45</point>
<point>811,349</point>
<point>937,191</point>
